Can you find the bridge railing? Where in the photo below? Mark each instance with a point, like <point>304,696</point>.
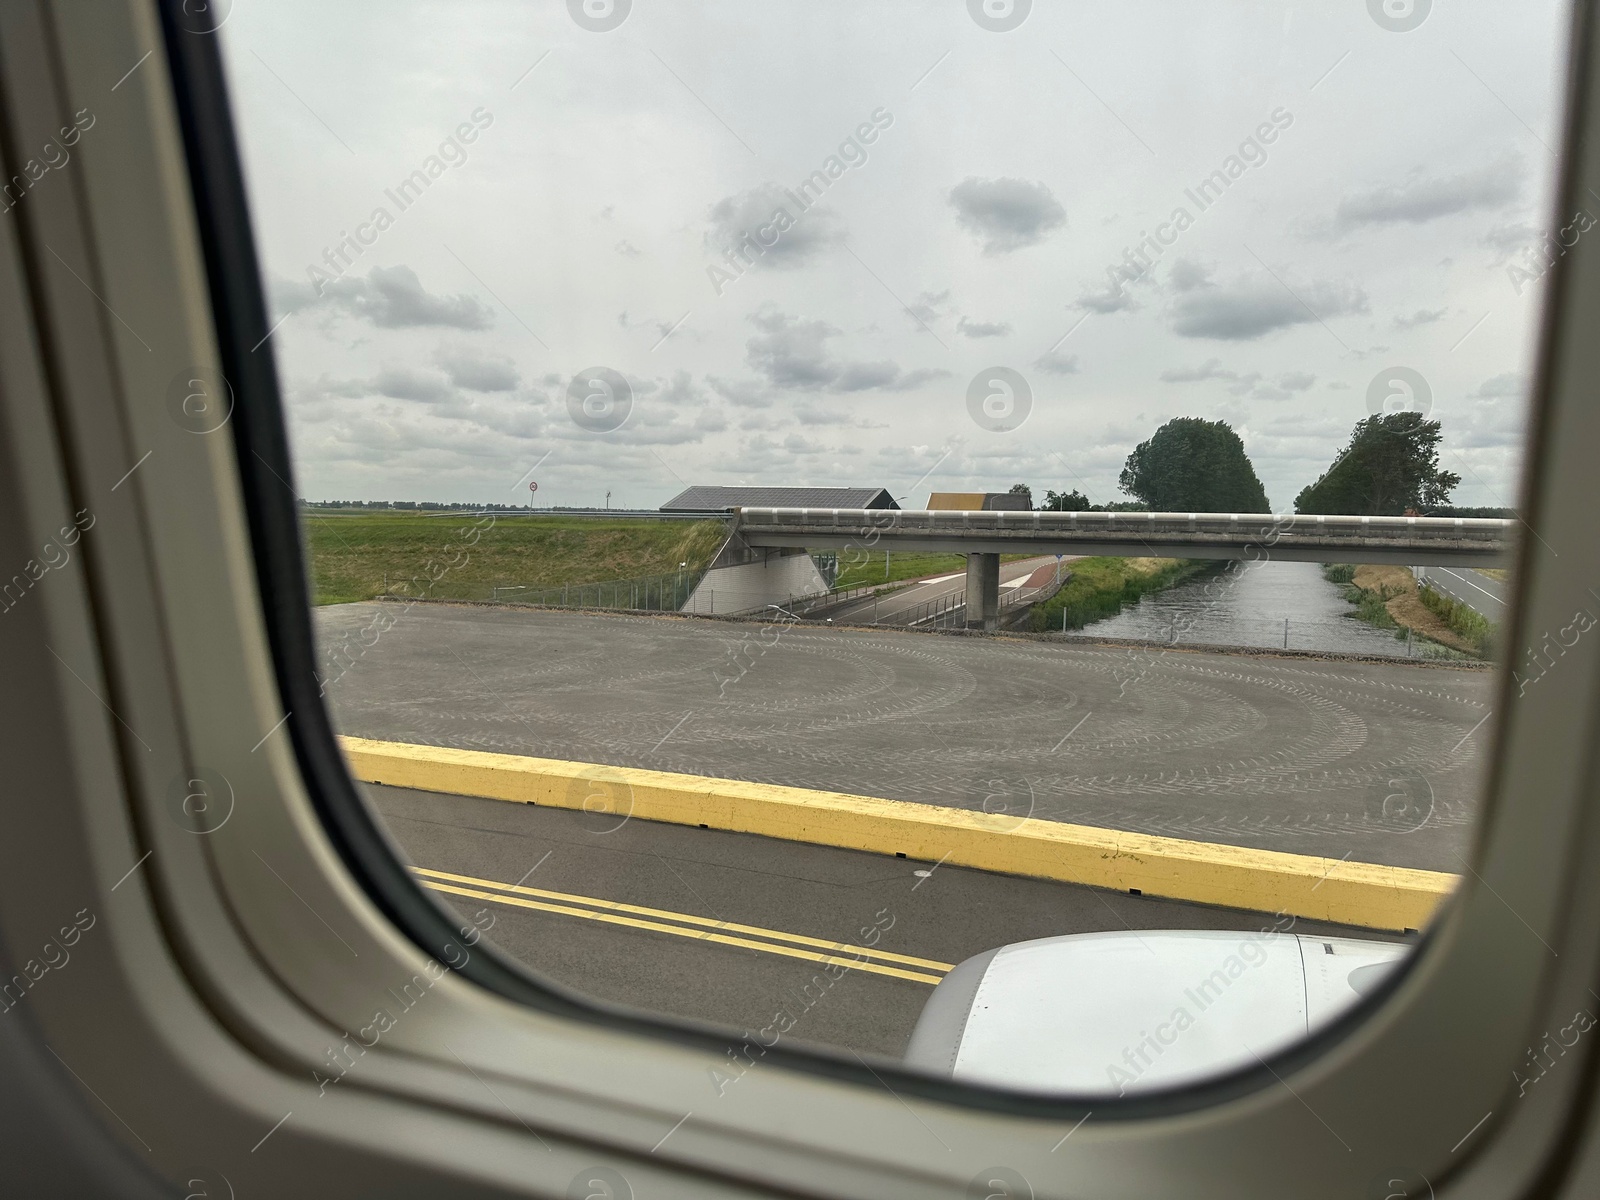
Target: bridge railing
<point>1229,527</point>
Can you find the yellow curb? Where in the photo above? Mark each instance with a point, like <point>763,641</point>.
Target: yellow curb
<point>1323,889</point>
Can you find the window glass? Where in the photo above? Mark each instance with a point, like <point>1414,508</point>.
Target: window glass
<point>979,533</point>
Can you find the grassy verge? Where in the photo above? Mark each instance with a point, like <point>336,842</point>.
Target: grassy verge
<point>855,570</point>
<point>1468,623</point>
<point>1102,587</point>
<point>1388,598</point>
<point>352,555</point>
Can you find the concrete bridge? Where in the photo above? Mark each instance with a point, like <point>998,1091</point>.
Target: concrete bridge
<point>760,534</point>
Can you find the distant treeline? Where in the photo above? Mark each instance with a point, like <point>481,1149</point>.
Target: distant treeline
<point>1389,467</point>
<point>1451,510</point>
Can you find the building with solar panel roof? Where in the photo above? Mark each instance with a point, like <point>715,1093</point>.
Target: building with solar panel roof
<point>712,499</point>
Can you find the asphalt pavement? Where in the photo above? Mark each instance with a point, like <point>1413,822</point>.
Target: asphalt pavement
<point>1482,593</point>
<point>906,604</point>
<point>731,928</point>
<point>1378,762</point>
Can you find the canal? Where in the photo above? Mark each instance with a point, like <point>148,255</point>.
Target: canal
<point>1262,604</point>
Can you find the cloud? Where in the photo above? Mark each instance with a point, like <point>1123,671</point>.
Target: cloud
<point>478,372</point>
<point>1241,383</point>
<point>796,444</point>
<point>1057,363</point>
<point>913,379</point>
<point>1284,386</point>
<point>792,353</point>
<point>1493,416</point>
<point>406,383</point>
<point>711,420</point>
<point>1007,214</point>
<point>1252,307</point>
<point>1422,198</point>
<point>1186,275</point>
<point>1511,385</point>
<point>1423,316</point>
<point>1113,297</point>
<point>677,391</point>
<point>394,298</point>
<point>750,215</point>
<point>858,377</point>
<point>627,249</point>
<point>982,329</point>
<point>930,307</point>
<point>1512,237</point>
<point>1210,369</point>
<point>745,393</point>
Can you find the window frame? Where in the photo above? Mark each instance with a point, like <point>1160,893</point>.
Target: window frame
<point>159,213</point>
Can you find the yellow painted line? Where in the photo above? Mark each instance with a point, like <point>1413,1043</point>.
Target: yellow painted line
<point>1324,889</point>
<point>690,919</point>
<point>683,931</point>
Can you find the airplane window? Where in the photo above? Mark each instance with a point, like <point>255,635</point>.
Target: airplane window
<point>973,536</point>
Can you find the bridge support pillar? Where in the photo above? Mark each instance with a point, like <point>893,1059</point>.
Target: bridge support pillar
<point>983,591</point>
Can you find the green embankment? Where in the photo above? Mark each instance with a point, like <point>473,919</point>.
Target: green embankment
<point>1372,602</point>
<point>1471,625</point>
<point>858,568</point>
<point>1389,598</point>
<point>353,554</point>
<point>1103,587</point>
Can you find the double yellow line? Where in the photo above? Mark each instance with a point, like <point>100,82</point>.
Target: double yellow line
<point>657,920</point>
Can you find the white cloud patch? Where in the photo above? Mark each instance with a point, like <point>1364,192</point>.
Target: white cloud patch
<point>930,307</point>
<point>1251,383</point>
<point>1006,214</point>
<point>791,352</point>
<point>389,298</point>
<point>982,329</point>
<point>407,383</point>
<point>1057,363</point>
<point>1423,316</point>
<point>1252,306</point>
<point>1421,198</point>
<point>765,227</point>
<point>477,370</point>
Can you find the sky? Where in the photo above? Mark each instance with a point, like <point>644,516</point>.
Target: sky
<point>927,246</point>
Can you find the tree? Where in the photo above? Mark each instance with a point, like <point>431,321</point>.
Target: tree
<point>1073,501</point>
<point>1390,465</point>
<point>1194,465</point>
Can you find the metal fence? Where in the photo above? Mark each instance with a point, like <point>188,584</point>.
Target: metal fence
<point>809,604</point>
<point>1336,635</point>
<point>949,611</point>
<point>648,593</point>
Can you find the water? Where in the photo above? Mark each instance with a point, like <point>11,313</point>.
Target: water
<point>1246,605</point>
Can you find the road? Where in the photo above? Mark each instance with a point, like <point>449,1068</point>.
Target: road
<point>731,922</point>
<point>911,602</point>
<point>1380,762</point>
<point>1482,593</point>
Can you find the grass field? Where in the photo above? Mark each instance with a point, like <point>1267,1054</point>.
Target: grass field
<point>854,570</point>
<point>1101,587</point>
<point>353,554</point>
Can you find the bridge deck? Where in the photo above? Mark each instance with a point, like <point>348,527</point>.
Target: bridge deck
<point>1407,541</point>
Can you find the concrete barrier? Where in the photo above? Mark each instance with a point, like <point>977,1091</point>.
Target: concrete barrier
<point>1324,889</point>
